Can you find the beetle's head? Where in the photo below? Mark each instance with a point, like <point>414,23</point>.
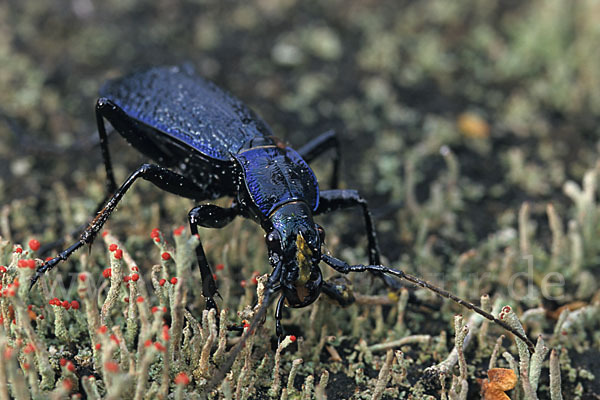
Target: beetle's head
<point>294,242</point>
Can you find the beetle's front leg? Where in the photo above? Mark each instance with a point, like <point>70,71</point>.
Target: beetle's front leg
<point>278,317</point>
<point>345,268</point>
<point>208,216</point>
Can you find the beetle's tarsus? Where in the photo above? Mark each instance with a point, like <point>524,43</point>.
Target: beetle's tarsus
<point>42,269</point>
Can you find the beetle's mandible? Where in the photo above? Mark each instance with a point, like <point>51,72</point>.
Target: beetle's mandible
<point>207,144</point>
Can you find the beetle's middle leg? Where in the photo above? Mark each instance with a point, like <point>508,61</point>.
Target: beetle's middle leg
<point>319,145</point>
<point>163,178</point>
<point>209,216</point>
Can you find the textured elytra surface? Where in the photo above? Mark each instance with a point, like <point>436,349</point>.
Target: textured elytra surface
<point>275,176</point>
<point>188,108</point>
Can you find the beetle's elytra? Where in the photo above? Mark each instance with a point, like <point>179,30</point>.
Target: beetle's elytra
<point>207,144</point>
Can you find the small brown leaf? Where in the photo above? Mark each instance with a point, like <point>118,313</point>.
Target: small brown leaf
<point>571,307</point>
<point>499,381</point>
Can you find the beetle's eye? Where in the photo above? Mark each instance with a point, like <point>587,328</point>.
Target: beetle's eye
<point>274,240</point>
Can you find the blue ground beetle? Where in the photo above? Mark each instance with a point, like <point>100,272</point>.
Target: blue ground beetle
<point>207,144</point>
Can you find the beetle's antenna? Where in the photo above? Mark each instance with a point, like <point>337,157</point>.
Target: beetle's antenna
<point>345,268</point>
<point>226,366</point>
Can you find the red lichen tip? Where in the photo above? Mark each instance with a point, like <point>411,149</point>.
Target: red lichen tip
<point>111,366</point>
<point>162,282</point>
<point>135,268</point>
<point>105,233</point>
<point>18,250</point>
<point>154,309</point>
<point>26,264</point>
<point>103,329</point>
<point>118,254</point>
<point>220,267</point>
<point>30,348</point>
<point>66,305</point>
<point>82,277</point>
<point>165,256</point>
<point>178,231</point>
<point>67,384</point>
<point>293,338</point>
<point>70,367</point>
<point>75,305</point>
<point>506,309</point>
<point>140,299</point>
<point>158,346</point>
<point>182,379</point>
<point>98,346</point>
<point>155,233</point>
<point>34,244</point>
<point>107,273</point>
<point>112,247</point>
<point>8,352</point>
<point>126,278</point>
<point>148,343</point>
<point>2,269</point>
<point>62,362</point>
<point>173,280</point>
<point>243,283</point>
<point>135,277</point>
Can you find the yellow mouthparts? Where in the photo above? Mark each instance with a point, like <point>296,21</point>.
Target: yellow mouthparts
<point>304,256</point>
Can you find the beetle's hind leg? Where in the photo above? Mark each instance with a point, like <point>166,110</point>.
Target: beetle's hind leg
<point>208,216</point>
<point>163,178</point>
<point>111,184</point>
<point>319,145</point>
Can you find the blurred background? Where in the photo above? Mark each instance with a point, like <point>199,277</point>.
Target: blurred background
<point>509,89</point>
<point>450,114</point>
